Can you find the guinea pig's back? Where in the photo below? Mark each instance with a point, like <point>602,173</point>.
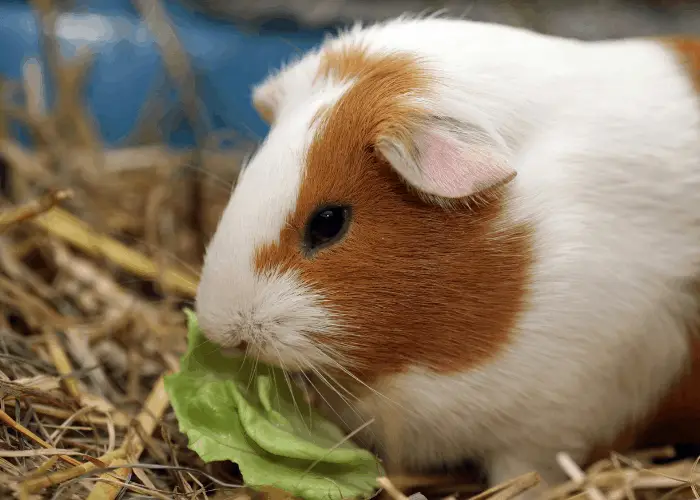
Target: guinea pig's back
<point>611,178</point>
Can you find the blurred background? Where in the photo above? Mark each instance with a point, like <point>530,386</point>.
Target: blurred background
<point>123,124</point>
<point>131,89</point>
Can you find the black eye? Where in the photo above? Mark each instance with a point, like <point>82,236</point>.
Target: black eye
<point>326,226</point>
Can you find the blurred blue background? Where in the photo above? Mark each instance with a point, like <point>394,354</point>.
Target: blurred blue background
<point>232,44</point>
<point>127,68</point>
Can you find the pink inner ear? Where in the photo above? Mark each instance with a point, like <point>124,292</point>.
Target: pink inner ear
<point>454,169</point>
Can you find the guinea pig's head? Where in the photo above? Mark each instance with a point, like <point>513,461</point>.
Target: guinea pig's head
<point>369,233</point>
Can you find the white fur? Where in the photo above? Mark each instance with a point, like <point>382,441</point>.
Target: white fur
<point>605,138</point>
<point>271,312</point>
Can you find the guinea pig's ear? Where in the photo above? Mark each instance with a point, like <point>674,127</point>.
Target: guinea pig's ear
<point>266,98</point>
<point>446,158</point>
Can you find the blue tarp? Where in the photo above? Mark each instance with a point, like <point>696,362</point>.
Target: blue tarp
<point>127,67</point>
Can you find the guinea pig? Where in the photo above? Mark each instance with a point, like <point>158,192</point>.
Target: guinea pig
<point>477,241</point>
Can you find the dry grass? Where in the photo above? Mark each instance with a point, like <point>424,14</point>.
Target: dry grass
<point>98,254</point>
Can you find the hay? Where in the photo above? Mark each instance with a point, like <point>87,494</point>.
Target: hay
<point>99,252</point>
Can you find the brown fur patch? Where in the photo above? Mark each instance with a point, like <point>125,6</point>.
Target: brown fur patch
<point>412,283</point>
<point>352,61</point>
<point>318,116</point>
<point>689,51</point>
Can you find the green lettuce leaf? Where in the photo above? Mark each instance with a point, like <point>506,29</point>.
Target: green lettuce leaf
<point>231,410</point>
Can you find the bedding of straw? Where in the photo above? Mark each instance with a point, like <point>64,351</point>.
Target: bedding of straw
<point>98,254</point>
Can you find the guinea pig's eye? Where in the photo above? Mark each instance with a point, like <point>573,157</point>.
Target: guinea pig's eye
<point>326,226</point>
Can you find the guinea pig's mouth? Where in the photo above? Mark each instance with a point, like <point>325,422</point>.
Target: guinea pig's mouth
<point>297,376</point>
<point>266,354</point>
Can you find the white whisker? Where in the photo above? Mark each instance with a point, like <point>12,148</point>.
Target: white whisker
<point>271,372</point>
<point>320,394</point>
<point>323,376</point>
<point>253,372</point>
<point>245,358</point>
<point>357,379</point>
<point>291,388</point>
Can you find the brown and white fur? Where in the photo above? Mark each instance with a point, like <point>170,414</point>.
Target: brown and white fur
<point>517,276</point>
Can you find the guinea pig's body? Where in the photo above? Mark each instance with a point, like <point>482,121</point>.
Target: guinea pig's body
<point>489,238</point>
